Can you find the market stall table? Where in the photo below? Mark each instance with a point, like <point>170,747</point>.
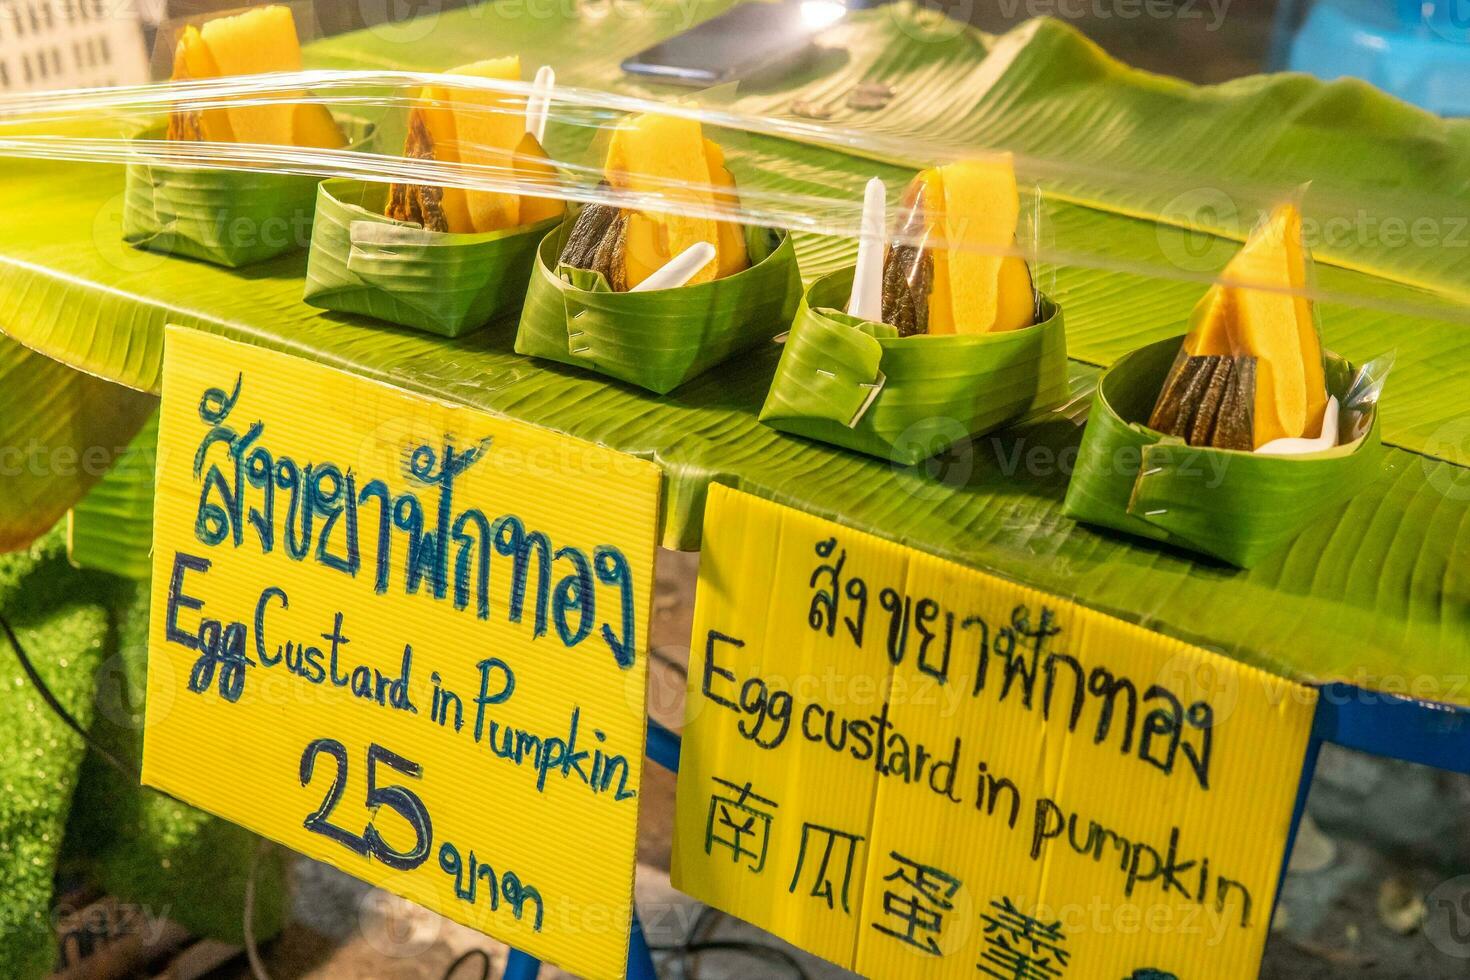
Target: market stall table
<point>1372,602</point>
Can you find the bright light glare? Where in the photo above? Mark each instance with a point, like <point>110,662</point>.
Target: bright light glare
<point>817,14</point>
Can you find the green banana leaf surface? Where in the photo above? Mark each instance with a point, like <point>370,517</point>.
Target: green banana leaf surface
<point>1235,506</point>
<point>111,528</point>
<point>232,218</point>
<point>60,432</point>
<point>1374,593</point>
<point>1110,312</point>
<point>1205,158</point>
<point>857,384</point>
<point>661,338</point>
<point>447,284</point>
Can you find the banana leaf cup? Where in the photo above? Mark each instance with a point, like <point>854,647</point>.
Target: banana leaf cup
<point>660,338</point>
<point>442,283</point>
<point>1235,506</point>
<point>857,384</point>
<point>232,218</point>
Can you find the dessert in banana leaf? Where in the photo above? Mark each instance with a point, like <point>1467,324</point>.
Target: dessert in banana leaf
<point>946,275</point>
<point>1235,438</point>
<point>478,128</point>
<point>657,296</point>
<point>1250,369</point>
<point>440,258</point>
<point>950,339</point>
<point>234,217</point>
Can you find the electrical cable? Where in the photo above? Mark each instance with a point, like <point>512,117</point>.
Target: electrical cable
<point>58,708</point>
<point>701,940</point>
<point>252,952</point>
<point>465,957</point>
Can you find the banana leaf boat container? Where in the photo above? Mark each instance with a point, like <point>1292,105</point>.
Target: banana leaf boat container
<point>660,338</point>
<point>449,284</point>
<point>1236,506</point>
<point>857,384</point>
<point>232,218</point>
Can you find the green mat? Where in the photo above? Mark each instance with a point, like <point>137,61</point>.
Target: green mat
<point>66,633</point>
<point>86,633</point>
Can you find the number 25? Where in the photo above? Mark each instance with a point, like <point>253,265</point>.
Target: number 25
<point>404,802</point>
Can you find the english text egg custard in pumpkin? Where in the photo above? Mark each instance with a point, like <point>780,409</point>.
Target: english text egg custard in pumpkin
<point>260,40</point>
<point>668,156</point>
<point>482,128</point>
<point>948,273</point>
<point>1250,370</point>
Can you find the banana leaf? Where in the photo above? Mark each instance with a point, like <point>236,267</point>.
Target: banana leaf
<point>111,528</point>
<point>1374,591</point>
<point>1235,506</point>
<point>1203,157</point>
<point>661,338</point>
<point>857,384</point>
<point>232,218</point>
<point>1024,90</point>
<point>448,284</point>
<point>60,432</point>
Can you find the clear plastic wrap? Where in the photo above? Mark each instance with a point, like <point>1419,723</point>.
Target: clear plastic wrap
<point>121,125</point>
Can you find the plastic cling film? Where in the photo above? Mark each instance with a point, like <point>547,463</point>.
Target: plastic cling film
<point>1361,400</point>
<point>790,174</point>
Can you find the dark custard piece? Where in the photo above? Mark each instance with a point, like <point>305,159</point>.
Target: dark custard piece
<point>1207,400</point>
<point>908,277</point>
<point>597,242</point>
<point>422,204</point>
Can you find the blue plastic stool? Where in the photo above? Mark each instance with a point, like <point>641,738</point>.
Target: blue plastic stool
<point>1417,50</point>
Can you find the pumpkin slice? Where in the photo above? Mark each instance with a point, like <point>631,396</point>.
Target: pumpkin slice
<point>1265,333</point>
<point>981,209</point>
<point>930,196</point>
<point>669,157</point>
<point>948,276</point>
<point>731,254</point>
<point>486,129</point>
<point>193,60</point>
<point>255,42</point>
<point>664,156</point>
<point>909,270</point>
<point>1277,327</point>
<point>533,166</point>
<point>597,242</point>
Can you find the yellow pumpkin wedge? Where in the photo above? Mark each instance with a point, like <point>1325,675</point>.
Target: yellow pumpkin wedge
<point>950,274</point>
<point>482,128</point>
<point>668,157</point>
<point>257,41</point>
<point>1250,371</point>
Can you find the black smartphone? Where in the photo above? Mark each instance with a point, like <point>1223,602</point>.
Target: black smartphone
<point>749,39</point>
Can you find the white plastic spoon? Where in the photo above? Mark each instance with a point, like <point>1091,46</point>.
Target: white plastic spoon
<point>1296,447</point>
<point>866,300</point>
<point>538,106</point>
<point>678,270</point>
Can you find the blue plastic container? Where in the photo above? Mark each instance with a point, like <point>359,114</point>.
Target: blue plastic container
<point>1418,50</point>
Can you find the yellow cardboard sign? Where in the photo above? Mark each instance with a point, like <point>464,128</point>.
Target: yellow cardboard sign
<point>915,769</point>
<point>405,638</point>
